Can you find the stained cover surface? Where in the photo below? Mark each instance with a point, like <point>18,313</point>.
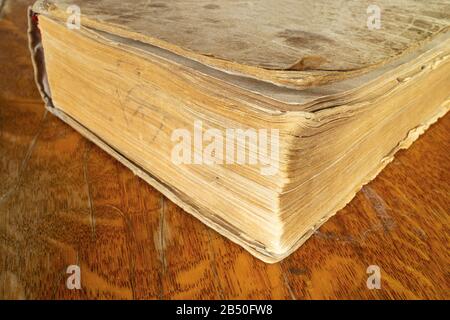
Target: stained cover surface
<point>317,35</point>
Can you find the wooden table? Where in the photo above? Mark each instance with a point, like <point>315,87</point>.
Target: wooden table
<point>63,201</point>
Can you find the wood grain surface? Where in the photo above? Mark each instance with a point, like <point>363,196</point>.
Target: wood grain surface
<point>63,201</point>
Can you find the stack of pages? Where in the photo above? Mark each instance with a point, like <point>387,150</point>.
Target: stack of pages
<point>260,118</point>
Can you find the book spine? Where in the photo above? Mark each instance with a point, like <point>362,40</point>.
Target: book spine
<point>38,58</point>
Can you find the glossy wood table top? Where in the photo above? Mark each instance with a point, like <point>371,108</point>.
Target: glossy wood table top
<point>65,202</point>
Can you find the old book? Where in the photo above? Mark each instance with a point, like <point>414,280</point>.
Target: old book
<point>260,118</point>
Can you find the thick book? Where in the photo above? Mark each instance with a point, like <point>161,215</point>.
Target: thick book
<point>260,118</point>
